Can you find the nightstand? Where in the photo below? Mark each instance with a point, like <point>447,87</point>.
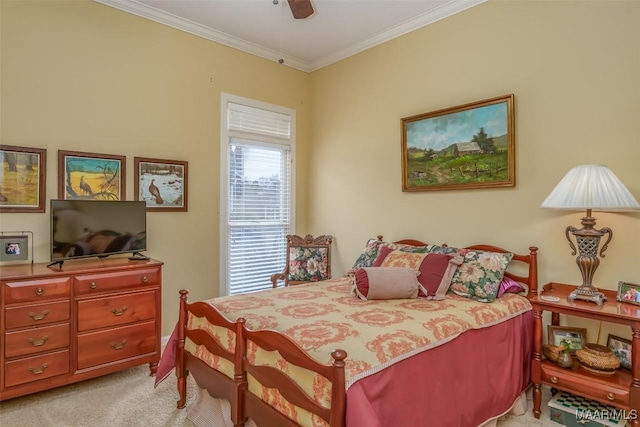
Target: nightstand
<point>621,389</point>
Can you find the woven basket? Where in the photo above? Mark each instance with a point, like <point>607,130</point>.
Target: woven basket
<point>597,358</point>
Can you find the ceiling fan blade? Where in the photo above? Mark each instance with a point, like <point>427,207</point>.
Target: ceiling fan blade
<point>301,8</point>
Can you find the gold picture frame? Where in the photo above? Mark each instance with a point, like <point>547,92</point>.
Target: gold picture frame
<point>91,176</point>
<point>628,293</point>
<point>574,337</point>
<point>163,184</point>
<point>464,147</point>
<point>22,186</point>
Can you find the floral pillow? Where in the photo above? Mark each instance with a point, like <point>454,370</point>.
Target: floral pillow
<point>480,274</point>
<point>367,256</point>
<point>308,264</point>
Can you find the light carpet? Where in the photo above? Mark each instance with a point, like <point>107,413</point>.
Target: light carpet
<point>127,398</point>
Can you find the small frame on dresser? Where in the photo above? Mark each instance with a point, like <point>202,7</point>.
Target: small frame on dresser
<point>161,183</point>
<point>574,338</point>
<point>22,181</point>
<point>91,176</point>
<point>15,246</point>
<point>621,347</point>
<point>628,292</point>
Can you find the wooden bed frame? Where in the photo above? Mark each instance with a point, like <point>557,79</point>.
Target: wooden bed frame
<point>245,404</point>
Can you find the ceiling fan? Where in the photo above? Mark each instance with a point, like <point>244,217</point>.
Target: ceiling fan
<point>300,8</point>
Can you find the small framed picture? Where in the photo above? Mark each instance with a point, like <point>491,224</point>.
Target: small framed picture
<point>14,248</point>
<point>22,179</point>
<point>91,176</point>
<point>628,292</point>
<point>573,338</point>
<point>621,347</point>
<point>161,183</point>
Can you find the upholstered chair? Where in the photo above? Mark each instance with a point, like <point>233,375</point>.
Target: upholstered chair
<point>308,259</point>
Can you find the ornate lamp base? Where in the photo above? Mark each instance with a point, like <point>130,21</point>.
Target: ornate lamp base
<point>588,240</point>
<point>587,294</point>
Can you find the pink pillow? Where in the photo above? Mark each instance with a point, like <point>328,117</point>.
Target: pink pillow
<point>435,269</point>
<point>383,251</point>
<point>508,285</point>
<point>371,283</point>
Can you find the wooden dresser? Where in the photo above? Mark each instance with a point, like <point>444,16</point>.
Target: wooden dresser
<point>90,318</point>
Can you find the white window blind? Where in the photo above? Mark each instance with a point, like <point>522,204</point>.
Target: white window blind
<point>257,208</point>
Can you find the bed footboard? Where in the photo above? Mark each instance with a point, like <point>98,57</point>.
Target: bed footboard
<point>271,383</point>
<point>241,350</point>
<point>223,344</point>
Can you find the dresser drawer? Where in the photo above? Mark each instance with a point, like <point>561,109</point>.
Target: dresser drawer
<point>90,284</point>
<point>116,310</point>
<point>567,380</point>
<point>36,340</point>
<point>36,314</point>
<point>97,348</point>
<point>37,290</point>
<point>36,368</point>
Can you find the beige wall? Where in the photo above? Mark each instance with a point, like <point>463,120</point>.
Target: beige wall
<point>573,67</point>
<point>78,75</point>
<point>83,76</point>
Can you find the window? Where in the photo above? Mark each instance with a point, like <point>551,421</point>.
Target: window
<point>257,145</point>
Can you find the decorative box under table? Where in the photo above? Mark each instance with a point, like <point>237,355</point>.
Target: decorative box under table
<point>570,410</point>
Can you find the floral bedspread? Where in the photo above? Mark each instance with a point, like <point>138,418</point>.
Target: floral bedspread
<point>323,316</point>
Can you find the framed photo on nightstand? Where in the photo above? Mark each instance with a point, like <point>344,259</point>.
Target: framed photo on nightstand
<point>621,347</point>
<point>628,292</point>
<point>575,338</point>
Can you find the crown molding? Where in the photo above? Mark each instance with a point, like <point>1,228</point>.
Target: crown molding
<point>448,9</point>
<point>186,25</point>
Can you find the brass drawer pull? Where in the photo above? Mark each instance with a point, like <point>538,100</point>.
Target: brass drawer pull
<point>611,396</point>
<point>554,380</point>
<point>120,312</point>
<point>145,279</point>
<point>40,342</point>
<point>38,316</point>
<point>36,371</point>
<point>119,346</point>
<point>39,291</point>
<point>93,285</point>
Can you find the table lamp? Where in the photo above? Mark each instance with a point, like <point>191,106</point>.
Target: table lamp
<point>590,187</point>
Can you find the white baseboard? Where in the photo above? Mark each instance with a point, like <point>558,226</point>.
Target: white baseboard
<point>164,340</point>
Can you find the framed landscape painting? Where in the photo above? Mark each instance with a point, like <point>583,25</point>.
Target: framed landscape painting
<point>91,176</point>
<point>161,183</point>
<point>22,181</point>
<point>464,147</point>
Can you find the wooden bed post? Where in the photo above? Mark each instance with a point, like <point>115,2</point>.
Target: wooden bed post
<point>180,363</point>
<point>239,375</point>
<point>533,272</point>
<point>338,392</point>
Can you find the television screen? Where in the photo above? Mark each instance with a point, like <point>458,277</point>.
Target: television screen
<point>87,228</point>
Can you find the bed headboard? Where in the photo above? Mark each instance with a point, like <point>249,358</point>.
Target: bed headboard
<point>530,261</point>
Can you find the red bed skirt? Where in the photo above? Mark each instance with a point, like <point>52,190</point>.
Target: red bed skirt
<point>464,383</point>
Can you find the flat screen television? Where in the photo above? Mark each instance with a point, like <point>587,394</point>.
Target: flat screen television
<point>97,228</point>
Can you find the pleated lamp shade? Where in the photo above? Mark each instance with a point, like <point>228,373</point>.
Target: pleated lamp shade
<point>591,187</point>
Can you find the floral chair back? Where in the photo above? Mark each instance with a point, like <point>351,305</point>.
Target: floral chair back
<point>308,260</point>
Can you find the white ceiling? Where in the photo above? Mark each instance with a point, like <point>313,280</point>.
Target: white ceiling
<point>336,30</point>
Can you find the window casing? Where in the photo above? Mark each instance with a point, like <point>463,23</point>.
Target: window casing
<point>257,151</point>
